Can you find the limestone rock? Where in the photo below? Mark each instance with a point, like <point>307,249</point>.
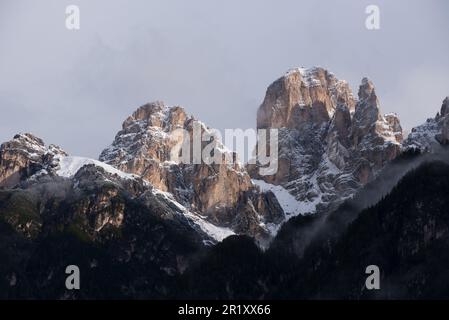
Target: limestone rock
<point>145,147</point>
<point>330,144</point>
<point>302,97</point>
<point>23,156</point>
<point>433,133</point>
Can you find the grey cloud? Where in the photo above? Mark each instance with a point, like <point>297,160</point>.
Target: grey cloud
<point>74,88</point>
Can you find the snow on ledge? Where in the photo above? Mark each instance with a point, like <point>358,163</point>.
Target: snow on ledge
<point>217,233</point>
<point>288,202</point>
<point>69,166</point>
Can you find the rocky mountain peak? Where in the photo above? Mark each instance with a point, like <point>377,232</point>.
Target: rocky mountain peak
<point>368,120</point>
<point>32,146</point>
<point>221,192</point>
<point>157,114</point>
<point>303,97</point>
<point>366,90</point>
<point>368,101</point>
<point>433,133</point>
<point>23,156</point>
<point>445,107</point>
<point>28,139</point>
<point>329,143</point>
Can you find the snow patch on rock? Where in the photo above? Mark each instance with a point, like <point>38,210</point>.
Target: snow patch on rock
<point>215,232</point>
<point>69,166</point>
<point>288,202</point>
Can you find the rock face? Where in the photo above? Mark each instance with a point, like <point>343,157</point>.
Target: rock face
<point>330,144</point>
<point>146,221</point>
<point>105,220</point>
<point>222,192</point>
<point>24,156</point>
<point>214,200</point>
<point>46,177</point>
<point>431,134</point>
<point>406,228</point>
<point>302,98</point>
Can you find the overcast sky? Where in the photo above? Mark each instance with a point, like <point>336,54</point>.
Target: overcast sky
<point>215,58</point>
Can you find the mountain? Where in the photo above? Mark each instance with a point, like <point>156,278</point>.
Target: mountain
<point>222,193</point>
<point>406,235</point>
<point>433,133</point>
<point>152,219</point>
<point>28,164</point>
<point>25,156</point>
<point>330,144</point>
<point>57,210</point>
